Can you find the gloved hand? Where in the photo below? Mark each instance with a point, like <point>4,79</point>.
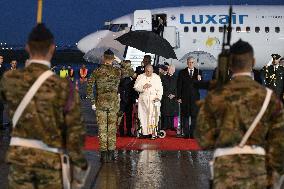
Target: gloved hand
<point>94,106</point>
<point>79,177</point>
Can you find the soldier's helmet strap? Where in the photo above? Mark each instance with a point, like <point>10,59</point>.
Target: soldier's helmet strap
<point>29,95</point>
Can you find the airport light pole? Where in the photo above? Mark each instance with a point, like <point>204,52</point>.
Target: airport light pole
<point>39,11</point>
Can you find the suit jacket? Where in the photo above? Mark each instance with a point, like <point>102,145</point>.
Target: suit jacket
<point>188,92</point>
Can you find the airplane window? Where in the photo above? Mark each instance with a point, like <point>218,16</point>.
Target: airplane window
<point>247,29</point>
<point>221,29</point>
<point>212,29</point>
<point>277,29</point>
<point>203,29</point>
<point>117,27</point>
<point>122,27</point>
<point>194,29</point>
<point>229,29</point>
<point>105,27</point>
<point>185,29</point>
<point>257,29</point>
<point>114,27</point>
<point>238,29</point>
<point>266,29</point>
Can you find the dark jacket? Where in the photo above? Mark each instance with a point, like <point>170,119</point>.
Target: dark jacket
<point>169,106</point>
<point>127,93</point>
<point>188,92</point>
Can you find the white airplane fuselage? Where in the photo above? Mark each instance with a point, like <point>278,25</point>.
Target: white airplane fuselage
<point>199,29</point>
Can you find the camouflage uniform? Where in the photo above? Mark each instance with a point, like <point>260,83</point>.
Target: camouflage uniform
<point>225,116</point>
<point>54,106</point>
<point>106,79</point>
<point>126,69</point>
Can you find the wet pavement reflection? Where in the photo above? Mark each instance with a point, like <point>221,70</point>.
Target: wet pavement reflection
<point>155,169</point>
<point>146,169</point>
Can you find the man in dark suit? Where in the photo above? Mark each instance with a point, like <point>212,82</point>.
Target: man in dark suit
<point>187,95</point>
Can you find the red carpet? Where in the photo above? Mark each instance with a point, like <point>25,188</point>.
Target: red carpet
<point>170,142</point>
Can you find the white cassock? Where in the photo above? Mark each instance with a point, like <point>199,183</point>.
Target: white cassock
<point>148,111</point>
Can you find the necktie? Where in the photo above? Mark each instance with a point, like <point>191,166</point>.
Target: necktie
<point>190,73</point>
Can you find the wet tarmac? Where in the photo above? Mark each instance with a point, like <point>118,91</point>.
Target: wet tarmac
<point>147,169</point>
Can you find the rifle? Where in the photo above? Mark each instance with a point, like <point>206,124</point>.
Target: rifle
<point>224,57</point>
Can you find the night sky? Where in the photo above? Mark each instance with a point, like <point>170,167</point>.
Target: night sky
<point>70,20</point>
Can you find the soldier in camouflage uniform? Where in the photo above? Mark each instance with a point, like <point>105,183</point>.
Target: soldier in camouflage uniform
<point>106,79</point>
<point>274,76</point>
<point>54,107</point>
<point>224,117</point>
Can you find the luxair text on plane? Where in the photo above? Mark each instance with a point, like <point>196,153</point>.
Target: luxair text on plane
<point>212,19</point>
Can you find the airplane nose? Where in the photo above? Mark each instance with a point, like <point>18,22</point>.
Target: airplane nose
<point>91,41</point>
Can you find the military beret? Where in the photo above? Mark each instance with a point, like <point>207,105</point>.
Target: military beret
<point>275,56</point>
<point>40,33</point>
<point>109,52</point>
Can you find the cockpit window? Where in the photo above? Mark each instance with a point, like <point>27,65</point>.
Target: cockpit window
<point>105,27</point>
<point>117,27</point>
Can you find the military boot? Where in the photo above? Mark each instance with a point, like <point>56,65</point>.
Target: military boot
<point>111,156</point>
<point>104,157</point>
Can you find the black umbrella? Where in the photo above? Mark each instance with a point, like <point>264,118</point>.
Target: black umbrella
<point>149,42</point>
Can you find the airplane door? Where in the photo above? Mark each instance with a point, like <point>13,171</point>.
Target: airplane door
<point>142,20</point>
<point>170,34</point>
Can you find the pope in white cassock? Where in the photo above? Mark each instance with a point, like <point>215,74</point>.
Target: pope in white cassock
<point>150,87</point>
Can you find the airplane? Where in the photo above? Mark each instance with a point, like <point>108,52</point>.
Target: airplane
<point>197,31</point>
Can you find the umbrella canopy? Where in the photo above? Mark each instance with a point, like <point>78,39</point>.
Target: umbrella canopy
<point>95,55</point>
<point>201,57</point>
<point>149,42</point>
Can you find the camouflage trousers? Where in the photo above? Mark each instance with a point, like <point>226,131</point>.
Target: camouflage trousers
<point>237,171</point>
<point>21,177</point>
<point>107,136</point>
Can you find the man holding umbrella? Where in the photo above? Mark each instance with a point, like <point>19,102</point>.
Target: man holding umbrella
<point>187,95</point>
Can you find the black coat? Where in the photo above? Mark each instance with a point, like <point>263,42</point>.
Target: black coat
<point>257,76</point>
<point>127,93</point>
<point>169,106</point>
<point>188,92</point>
